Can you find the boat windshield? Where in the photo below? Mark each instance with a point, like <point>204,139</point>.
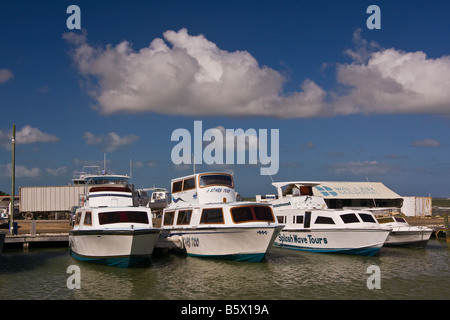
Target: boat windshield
<point>386,220</point>
<point>252,213</point>
<point>216,179</point>
<point>123,217</point>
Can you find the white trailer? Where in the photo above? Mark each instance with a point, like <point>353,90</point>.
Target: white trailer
<point>48,201</point>
<point>417,206</point>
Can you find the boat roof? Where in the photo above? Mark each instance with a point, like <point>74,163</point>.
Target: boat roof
<point>354,190</point>
<point>201,174</point>
<point>344,189</point>
<point>297,183</point>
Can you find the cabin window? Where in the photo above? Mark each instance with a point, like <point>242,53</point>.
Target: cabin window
<point>298,219</point>
<point>78,217</point>
<point>306,191</point>
<point>324,220</point>
<point>216,180</point>
<point>123,217</point>
<point>212,216</point>
<point>367,217</point>
<point>88,219</point>
<point>189,184</point>
<point>184,217</point>
<point>252,213</point>
<point>263,213</point>
<point>307,223</point>
<point>281,219</point>
<point>349,218</point>
<point>400,219</point>
<point>168,218</point>
<point>385,220</point>
<point>177,186</point>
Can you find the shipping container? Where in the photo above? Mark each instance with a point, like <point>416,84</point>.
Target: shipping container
<point>417,206</point>
<point>43,201</point>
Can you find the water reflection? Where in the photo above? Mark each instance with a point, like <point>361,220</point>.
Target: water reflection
<point>285,274</point>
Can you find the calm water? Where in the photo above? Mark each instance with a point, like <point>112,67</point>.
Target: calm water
<point>285,274</point>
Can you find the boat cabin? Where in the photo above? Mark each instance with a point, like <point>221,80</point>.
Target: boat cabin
<point>214,215</point>
<point>202,188</point>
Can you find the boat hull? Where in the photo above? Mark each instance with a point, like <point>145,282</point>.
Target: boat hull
<point>346,241</point>
<point>409,237</point>
<point>232,243</point>
<point>121,248</point>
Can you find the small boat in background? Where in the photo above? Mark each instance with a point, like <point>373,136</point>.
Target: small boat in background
<point>404,234</point>
<point>108,228</point>
<point>205,220</point>
<point>159,198</point>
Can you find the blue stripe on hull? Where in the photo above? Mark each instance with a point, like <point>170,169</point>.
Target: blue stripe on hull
<point>367,251</point>
<point>121,262</point>
<point>251,257</point>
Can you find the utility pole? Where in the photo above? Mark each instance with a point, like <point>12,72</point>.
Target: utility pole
<point>13,182</point>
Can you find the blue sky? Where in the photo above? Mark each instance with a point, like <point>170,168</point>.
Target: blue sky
<point>350,103</point>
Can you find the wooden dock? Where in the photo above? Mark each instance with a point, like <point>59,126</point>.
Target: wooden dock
<point>42,233</point>
<point>45,239</point>
<point>39,233</point>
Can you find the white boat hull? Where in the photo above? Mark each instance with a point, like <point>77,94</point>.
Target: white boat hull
<point>409,236</point>
<point>249,243</point>
<point>348,241</point>
<point>122,248</point>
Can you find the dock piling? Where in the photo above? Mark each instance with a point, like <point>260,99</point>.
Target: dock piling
<point>33,228</point>
<point>13,177</point>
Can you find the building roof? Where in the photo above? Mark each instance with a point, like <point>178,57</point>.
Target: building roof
<point>353,190</point>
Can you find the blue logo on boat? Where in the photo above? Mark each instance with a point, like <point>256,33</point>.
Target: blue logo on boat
<point>177,199</point>
<point>327,191</point>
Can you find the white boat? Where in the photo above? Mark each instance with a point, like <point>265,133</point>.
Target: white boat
<point>159,198</point>
<point>311,226</point>
<point>403,234</point>
<point>205,220</point>
<point>108,229</point>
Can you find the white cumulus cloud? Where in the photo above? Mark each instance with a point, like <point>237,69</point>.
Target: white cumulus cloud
<point>20,171</point>
<point>5,75</point>
<point>431,143</point>
<point>187,75</point>
<point>110,142</point>
<point>360,168</point>
<point>26,135</point>
<point>183,74</point>
<point>387,81</point>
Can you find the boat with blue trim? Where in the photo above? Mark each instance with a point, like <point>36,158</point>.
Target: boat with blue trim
<point>311,226</point>
<point>205,220</point>
<point>108,228</point>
